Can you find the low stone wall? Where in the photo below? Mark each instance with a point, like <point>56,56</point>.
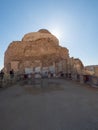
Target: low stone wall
<point>7,81</point>
<point>84,79</point>
<point>93,81</point>
<point>22,79</point>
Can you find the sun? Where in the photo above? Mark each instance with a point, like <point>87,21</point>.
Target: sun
<point>56,33</point>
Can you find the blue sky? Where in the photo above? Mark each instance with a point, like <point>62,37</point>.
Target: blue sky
<point>74,22</point>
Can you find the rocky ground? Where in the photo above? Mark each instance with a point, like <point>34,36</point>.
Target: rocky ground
<point>54,104</point>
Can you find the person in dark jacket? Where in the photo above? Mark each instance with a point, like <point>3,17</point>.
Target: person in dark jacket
<point>1,75</point>
<point>12,74</point>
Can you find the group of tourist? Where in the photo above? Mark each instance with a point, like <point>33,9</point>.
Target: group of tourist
<point>11,73</point>
<point>42,75</point>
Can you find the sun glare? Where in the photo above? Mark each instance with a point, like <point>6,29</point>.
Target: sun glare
<point>56,33</point>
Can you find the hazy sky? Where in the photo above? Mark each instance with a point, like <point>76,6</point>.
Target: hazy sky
<point>74,22</point>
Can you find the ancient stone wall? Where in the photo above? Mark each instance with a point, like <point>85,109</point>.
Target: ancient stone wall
<point>38,49</point>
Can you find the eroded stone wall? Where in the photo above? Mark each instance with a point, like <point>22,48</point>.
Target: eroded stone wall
<point>40,51</point>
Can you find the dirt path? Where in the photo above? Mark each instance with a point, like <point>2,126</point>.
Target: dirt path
<point>62,105</point>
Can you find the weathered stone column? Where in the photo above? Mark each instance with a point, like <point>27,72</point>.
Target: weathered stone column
<point>54,65</point>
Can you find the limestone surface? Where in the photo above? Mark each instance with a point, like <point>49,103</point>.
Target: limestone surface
<point>36,49</point>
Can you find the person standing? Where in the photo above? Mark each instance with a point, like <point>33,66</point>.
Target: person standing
<point>1,75</point>
<point>12,74</point>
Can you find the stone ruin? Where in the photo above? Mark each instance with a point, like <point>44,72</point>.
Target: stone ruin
<point>40,52</point>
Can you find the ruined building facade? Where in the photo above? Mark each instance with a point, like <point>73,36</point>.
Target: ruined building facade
<point>40,52</point>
